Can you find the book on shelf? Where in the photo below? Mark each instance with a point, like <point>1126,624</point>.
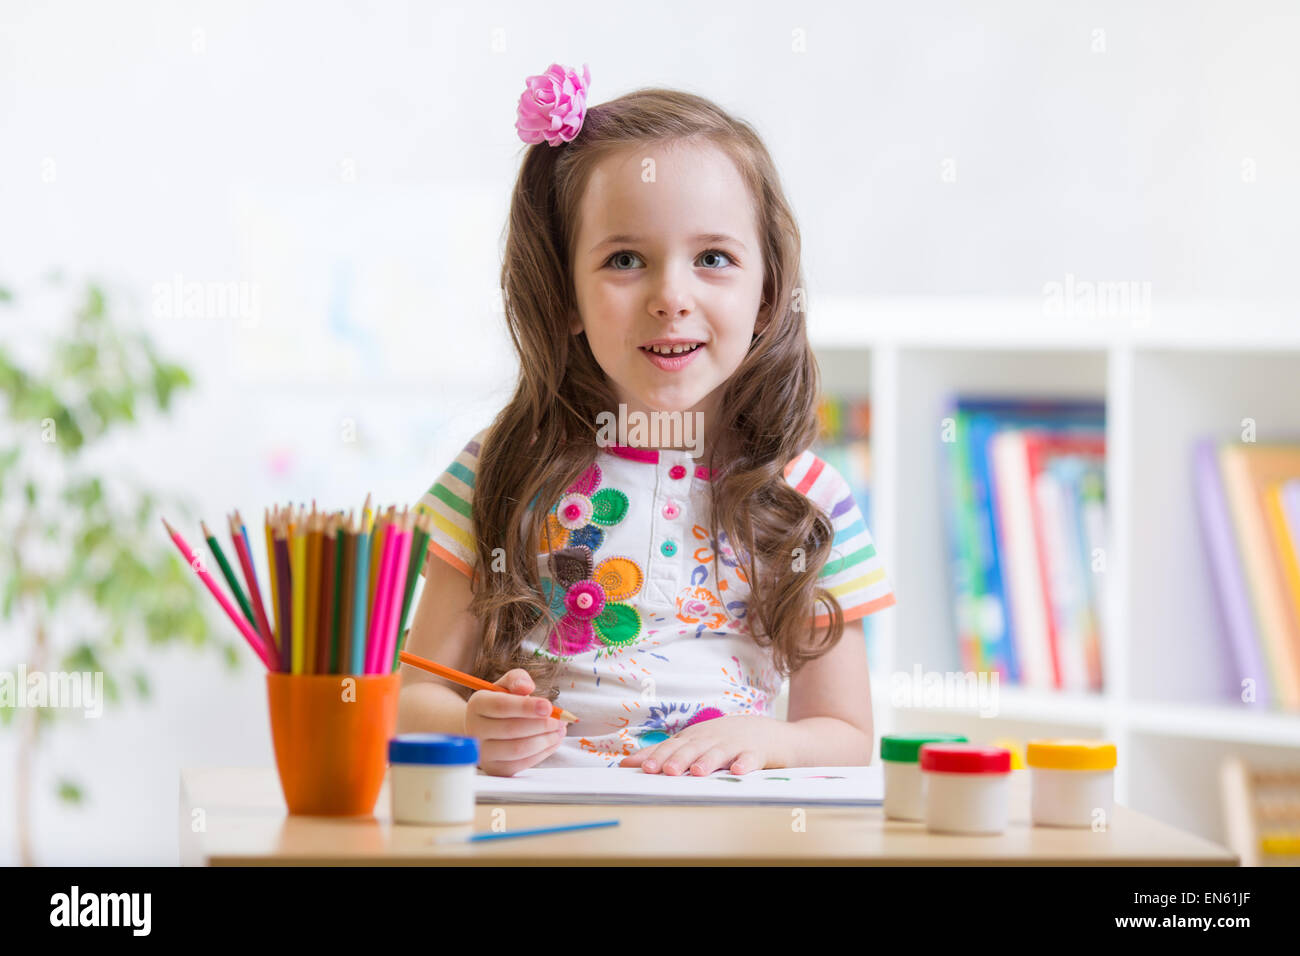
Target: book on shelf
<point>844,443</point>
<point>1024,514</point>
<point>1248,501</point>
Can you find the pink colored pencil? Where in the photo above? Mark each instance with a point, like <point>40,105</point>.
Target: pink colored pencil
<point>385,662</point>
<point>379,612</point>
<point>231,611</point>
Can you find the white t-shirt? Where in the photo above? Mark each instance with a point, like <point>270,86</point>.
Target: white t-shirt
<point>653,643</point>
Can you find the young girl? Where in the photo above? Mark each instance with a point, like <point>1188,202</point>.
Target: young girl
<point>657,587</point>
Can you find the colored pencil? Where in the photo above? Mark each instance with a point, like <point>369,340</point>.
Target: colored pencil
<point>401,559</point>
<point>379,612</point>
<point>359,607</point>
<point>228,574</point>
<point>419,548</point>
<point>248,547</point>
<point>298,550</point>
<point>336,595</point>
<point>468,680</point>
<point>254,592</point>
<point>273,574</point>
<point>378,540</point>
<point>313,589</point>
<point>347,543</point>
<point>282,566</point>
<point>535,831</point>
<point>192,558</point>
<point>324,617</point>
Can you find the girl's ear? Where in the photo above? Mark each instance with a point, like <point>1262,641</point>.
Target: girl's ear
<point>575,322</point>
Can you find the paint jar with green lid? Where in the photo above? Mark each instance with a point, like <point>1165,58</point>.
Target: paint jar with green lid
<point>899,755</point>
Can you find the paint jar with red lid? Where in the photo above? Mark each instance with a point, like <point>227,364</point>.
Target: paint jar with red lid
<point>965,787</point>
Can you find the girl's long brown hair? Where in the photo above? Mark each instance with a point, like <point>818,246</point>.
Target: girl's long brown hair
<point>545,437</point>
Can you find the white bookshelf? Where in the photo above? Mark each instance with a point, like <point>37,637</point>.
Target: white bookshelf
<point>1184,370</point>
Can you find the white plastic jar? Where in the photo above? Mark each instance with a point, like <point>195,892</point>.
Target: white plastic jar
<point>431,778</point>
<point>965,787</point>
<point>1071,782</point>
<point>898,757</point>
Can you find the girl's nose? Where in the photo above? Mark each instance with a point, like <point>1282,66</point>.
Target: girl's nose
<point>672,299</point>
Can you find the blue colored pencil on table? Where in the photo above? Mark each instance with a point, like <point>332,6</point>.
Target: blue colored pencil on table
<point>506,834</point>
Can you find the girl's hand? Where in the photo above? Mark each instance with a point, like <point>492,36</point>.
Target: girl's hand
<point>514,730</point>
<point>739,743</point>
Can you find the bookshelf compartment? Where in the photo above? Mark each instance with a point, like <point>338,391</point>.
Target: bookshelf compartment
<point>920,560</point>
<point>1177,649</point>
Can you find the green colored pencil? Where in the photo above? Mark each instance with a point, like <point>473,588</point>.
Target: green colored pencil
<point>419,548</point>
<point>229,575</point>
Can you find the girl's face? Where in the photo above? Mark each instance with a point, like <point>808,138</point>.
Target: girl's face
<point>668,252</point>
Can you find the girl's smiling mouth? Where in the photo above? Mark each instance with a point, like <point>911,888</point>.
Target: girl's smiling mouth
<point>671,354</point>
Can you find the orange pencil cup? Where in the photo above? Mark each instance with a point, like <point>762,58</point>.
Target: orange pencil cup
<point>331,734</point>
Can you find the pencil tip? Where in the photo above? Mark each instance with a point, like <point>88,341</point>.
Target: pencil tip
<point>170,529</point>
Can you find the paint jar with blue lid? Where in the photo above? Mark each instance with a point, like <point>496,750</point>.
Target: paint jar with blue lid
<point>431,778</point>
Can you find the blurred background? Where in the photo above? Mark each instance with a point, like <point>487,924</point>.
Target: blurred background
<point>249,255</point>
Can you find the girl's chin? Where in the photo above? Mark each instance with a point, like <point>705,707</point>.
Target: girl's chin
<point>679,398</point>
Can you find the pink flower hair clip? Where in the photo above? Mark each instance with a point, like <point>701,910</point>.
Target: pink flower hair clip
<point>553,105</point>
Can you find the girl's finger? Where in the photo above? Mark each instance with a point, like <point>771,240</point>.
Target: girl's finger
<point>746,761</point>
<point>680,759</point>
<point>711,760</point>
<point>650,753</point>
<point>654,761</point>
<point>509,768</point>
<point>520,748</point>
<point>503,728</point>
<point>634,760</point>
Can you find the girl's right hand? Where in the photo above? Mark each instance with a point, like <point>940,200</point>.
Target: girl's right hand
<point>514,731</point>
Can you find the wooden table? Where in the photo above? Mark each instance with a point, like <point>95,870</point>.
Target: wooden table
<point>244,822</point>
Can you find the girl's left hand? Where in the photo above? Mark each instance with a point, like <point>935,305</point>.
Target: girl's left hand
<point>738,743</point>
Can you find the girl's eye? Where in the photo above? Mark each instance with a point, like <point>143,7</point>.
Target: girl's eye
<point>624,252</point>
<point>620,255</point>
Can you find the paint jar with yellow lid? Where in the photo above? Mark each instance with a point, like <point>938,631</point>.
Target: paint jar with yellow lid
<point>1071,782</point>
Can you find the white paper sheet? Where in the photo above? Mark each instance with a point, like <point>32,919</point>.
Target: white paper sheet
<point>796,786</point>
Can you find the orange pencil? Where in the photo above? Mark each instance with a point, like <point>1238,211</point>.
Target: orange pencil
<point>468,680</point>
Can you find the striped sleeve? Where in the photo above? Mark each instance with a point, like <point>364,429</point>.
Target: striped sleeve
<point>853,573</point>
<point>448,501</point>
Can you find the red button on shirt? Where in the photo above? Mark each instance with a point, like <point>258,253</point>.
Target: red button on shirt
<point>677,471</point>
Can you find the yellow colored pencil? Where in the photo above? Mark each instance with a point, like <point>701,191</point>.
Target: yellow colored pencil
<point>298,548</point>
<point>377,539</point>
<point>313,589</point>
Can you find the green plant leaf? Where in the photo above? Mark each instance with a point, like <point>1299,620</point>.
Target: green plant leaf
<point>94,307</point>
<point>168,378</point>
<point>69,791</point>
